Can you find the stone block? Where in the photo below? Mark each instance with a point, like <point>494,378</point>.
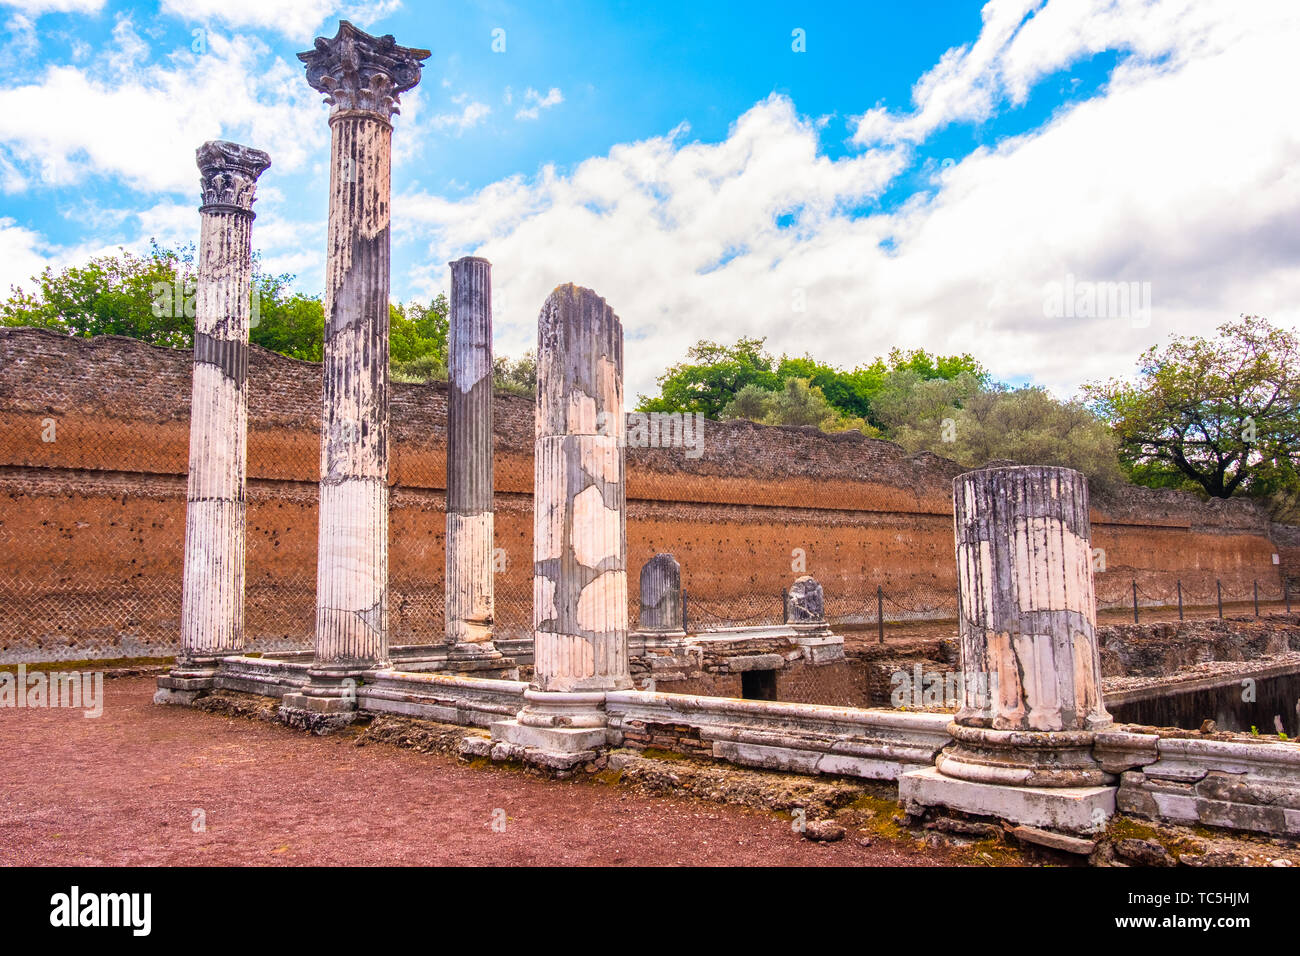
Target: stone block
<point>1072,809</point>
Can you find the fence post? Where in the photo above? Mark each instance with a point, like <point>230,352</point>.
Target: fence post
<point>684,621</point>
<point>1257,597</point>
<point>1135,601</point>
<point>1180,599</point>
<point>880,611</point>
<point>1219,588</point>
<point>785,606</point>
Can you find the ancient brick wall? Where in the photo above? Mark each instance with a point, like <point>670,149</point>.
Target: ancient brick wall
<point>94,449</point>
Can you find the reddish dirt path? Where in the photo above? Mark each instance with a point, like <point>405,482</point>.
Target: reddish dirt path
<point>121,789</point>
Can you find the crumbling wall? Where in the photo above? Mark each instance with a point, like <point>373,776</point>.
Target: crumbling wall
<point>94,449</point>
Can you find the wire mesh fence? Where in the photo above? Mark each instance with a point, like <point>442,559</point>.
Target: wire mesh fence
<point>94,444</point>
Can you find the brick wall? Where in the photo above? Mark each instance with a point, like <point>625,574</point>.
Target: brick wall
<point>92,523</point>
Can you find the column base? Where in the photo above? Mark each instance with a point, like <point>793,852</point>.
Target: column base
<point>188,680</point>
<point>482,659</point>
<point>1083,810</point>
<point>1016,758</point>
<point>558,731</point>
<point>328,701</point>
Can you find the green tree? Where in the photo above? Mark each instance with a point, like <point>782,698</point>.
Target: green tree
<point>1221,415</point>
<point>416,330</point>
<point>518,377</point>
<point>1030,427</point>
<point>711,377</point>
<point>145,297</point>
<point>287,322</point>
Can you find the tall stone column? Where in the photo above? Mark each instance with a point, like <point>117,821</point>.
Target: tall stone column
<point>579,497</point>
<point>361,77</point>
<point>212,601</point>
<point>579,530</point>
<point>1032,699</point>
<point>469,565</point>
<point>1031,668</point>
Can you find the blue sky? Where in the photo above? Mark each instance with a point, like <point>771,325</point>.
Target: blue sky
<point>916,175</point>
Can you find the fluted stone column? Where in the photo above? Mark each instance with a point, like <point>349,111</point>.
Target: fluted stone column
<point>212,600</point>
<point>361,77</point>
<point>1032,672</point>
<point>469,566</point>
<point>579,498</point>
<point>579,528</point>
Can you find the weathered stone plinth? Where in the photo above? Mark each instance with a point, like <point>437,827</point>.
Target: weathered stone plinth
<point>328,701</point>
<point>1031,672</point>
<point>557,730</point>
<point>1068,809</point>
<point>661,597</point>
<point>212,590</point>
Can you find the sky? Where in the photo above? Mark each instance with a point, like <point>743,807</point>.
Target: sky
<point>1050,185</point>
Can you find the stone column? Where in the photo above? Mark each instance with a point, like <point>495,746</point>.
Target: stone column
<point>212,601</point>
<point>579,498</point>
<point>579,530</point>
<point>1031,668</point>
<point>469,461</point>
<point>361,77</point>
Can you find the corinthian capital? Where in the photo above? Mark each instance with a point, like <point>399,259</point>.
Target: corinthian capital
<point>357,71</point>
<point>228,173</point>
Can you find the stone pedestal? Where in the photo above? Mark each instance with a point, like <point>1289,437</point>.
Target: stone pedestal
<point>212,597</point>
<point>661,597</point>
<point>1031,670</point>
<point>362,77</point>
<point>579,536</point>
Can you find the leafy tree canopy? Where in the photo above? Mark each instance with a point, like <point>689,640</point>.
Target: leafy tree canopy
<point>1220,415</point>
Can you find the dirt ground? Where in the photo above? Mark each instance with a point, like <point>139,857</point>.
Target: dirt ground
<point>126,788</point>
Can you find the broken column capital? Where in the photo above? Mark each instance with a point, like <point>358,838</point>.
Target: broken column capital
<point>358,71</point>
<point>228,175</point>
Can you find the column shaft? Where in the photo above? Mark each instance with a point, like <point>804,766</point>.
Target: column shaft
<point>469,564</point>
<point>580,535</point>
<point>1024,562</point>
<point>352,564</point>
<point>212,601</point>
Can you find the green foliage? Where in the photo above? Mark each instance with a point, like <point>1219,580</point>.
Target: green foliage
<point>713,377</point>
<point>798,402</point>
<point>286,322</point>
<point>1221,415</point>
<point>124,294</point>
<point>1025,425</point>
<point>516,377</point>
<point>416,330</point>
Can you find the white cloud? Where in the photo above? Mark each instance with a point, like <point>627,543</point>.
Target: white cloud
<point>1183,172</point>
<point>470,116</point>
<point>537,102</point>
<point>37,7</point>
<point>297,19</point>
<point>124,117</point>
<point>22,255</point>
